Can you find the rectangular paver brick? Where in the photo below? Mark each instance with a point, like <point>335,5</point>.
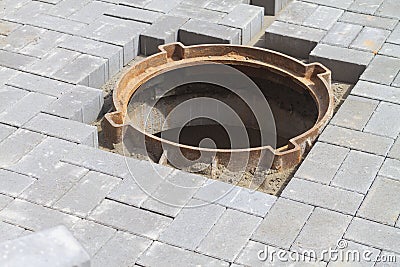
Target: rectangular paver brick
<point>391,50</point>
<point>230,235</point>
<point>10,96</point>
<point>136,221</point>
<point>133,13</point>
<point>343,4</point>
<point>365,6</point>
<point>91,11</point>
<point>382,123</point>
<point>391,169</point>
<point>163,6</point>
<point>370,39</point>
<point>297,12</point>
<point>192,224</point>
<point>368,20</point>
<point>374,234</point>
<point>13,184</point>
<point>395,150</point>
<point>389,8</point>
<point>362,141</point>
<point>322,163</point>
<point>21,37</point>
<point>377,91</point>
<point>6,131</point>
<point>384,195</point>
<point>275,231</point>
<point>382,70</point>
<point>225,5</point>
<point>161,254</point>
<point>395,36</point>
<point>323,196</point>
<point>14,60</point>
<point>45,43</point>
<point>198,13</point>
<point>358,171</point>
<point>65,129</point>
<point>342,34</point>
<point>323,18</point>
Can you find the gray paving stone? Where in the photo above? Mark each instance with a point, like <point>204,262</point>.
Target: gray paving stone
<point>346,64</point>
<point>25,109</point>
<point>374,234</point>
<point>6,74</point>
<point>342,34</point>
<point>57,24</point>
<point>125,247</point>
<point>367,255</point>
<point>389,8</point>
<point>67,7</point>
<point>197,3</point>
<point>43,44</point>
<point>136,221</point>
<point>56,183</point>
<point>294,40</point>
<point>365,6</point>
<point>192,224</point>
<point>114,54</point>
<point>10,232</point>
<point>53,62</point>
<point>161,254</point>
<point>92,236</point>
<point>7,27</point>
<point>322,163</point>
<point>85,70</point>
<point>356,140</point>
<point>377,91</point>
<point>6,131</point>
<point>14,60</point>
<point>383,195</point>
<point>92,188</point>
<point>322,231</point>
<point>379,122</point>
<point>174,193</point>
<point>132,13</point>
<point>91,11</point>
<point>225,6</point>
<point>355,112</point>
<point>388,259</point>
<point>13,184</point>
<point>201,14</point>
<point>4,201</point>
<point>163,6</point>
<point>382,70</point>
<point>323,196</point>
<point>54,246</point>
<point>163,31</point>
<point>65,129</point>
<point>18,145</point>
<point>249,19</point>
<point>25,11</point>
<point>370,39</point>
<point>229,236</point>
<point>35,217</point>
<point>82,104</point>
<point>391,169</point>
<point>40,84</point>
<point>368,20</point>
<point>10,96</point>
<point>395,150</point>
<point>21,37</point>
<point>391,50</point>
<point>205,32</point>
<point>358,171</point>
<point>297,12</point>
<point>343,4</point>
<point>395,36</point>
<point>323,18</point>
<point>273,229</point>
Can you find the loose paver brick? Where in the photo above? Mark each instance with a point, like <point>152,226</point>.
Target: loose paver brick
<point>92,235</point>
<point>365,6</point>
<point>136,221</point>
<point>249,19</point>
<point>13,184</point>
<point>346,64</point>
<point>205,32</point>
<point>383,195</point>
<point>378,124</point>
<point>356,140</point>
<point>382,70</point>
<point>370,39</point>
<point>377,91</point>
<point>355,112</point>
<point>192,224</point>
<point>368,20</point>
<point>65,129</point>
<point>229,236</point>
<point>322,163</point>
<point>391,169</point>
<point>297,12</point>
<point>160,254</point>
<point>322,231</point>
<point>358,171</point>
<point>323,196</point>
<point>18,145</point>
<point>294,40</point>
<point>374,234</point>
<point>94,187</point>
<point>163,31</point>
<point>342,34</point>
<point>273,229</point>
<point>35,217</point>
<point>323,18</point>
<point>125,247</point>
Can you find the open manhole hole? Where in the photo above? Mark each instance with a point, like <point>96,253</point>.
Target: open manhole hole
<point>232,113</point>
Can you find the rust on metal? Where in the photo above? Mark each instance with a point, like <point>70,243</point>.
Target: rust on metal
<point>314,78</point>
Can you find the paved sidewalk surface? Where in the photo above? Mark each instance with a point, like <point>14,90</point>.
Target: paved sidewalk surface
<point>56,54</point>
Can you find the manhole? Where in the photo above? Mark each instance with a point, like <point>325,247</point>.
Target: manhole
<point>271,90</point>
